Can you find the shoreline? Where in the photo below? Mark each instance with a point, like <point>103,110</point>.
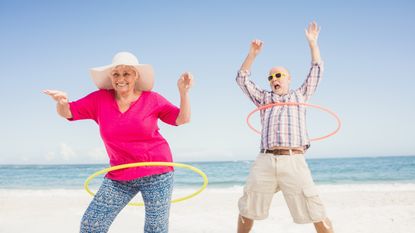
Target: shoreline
<point>316,157</point>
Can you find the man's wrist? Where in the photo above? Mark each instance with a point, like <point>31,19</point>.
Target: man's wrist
<point>252,55</point>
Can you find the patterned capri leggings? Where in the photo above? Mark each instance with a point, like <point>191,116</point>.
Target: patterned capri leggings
<point>113,195</point>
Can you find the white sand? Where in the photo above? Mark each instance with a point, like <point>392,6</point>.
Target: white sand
<point>376,208</point>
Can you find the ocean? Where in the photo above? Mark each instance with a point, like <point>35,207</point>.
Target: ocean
<point>223,174</point>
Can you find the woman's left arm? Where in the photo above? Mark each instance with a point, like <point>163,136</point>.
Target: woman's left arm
<point>184,83</point>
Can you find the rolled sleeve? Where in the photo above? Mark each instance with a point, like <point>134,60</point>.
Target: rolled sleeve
<point>255,93</point>
<point>167,112</point>
<point>84,108</point>
<point>314,77</point>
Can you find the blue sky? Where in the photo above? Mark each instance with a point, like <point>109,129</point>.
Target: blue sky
<point>367,47</point>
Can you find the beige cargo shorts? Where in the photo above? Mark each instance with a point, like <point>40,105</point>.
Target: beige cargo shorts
<point>289,174</point>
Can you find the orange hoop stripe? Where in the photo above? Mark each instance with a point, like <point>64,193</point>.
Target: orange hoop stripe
<point>339,123</point>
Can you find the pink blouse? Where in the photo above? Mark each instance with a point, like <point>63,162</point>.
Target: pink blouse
<point>132,136</point>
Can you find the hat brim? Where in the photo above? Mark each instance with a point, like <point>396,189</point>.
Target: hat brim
<point>101,78</point>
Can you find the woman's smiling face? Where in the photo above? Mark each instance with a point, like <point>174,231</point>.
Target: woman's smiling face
<point>124,78</point>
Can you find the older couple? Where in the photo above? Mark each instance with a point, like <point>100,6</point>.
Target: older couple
<point>127,112</point>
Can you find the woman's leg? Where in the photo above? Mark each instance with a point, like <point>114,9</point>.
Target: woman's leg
<point>110,199</point>
<point>156,191</point>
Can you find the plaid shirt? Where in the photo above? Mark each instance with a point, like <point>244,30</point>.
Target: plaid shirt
<point>283,126</point>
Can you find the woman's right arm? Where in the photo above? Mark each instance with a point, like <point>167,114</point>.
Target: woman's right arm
<point>62,104</point>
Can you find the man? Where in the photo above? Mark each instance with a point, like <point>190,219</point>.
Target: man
<point>281,166</point>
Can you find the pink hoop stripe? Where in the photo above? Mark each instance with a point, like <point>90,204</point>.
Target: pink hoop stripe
<point>339,124</point>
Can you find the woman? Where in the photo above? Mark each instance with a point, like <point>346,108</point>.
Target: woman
<point>127,111</point>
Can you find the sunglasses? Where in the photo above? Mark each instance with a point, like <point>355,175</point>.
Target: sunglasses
<point>276,75</point>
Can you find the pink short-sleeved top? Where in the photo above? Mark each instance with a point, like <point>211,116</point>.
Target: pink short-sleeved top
<point>132,136</point>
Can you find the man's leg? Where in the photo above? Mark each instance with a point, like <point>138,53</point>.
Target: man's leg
<point>244,224</point>
<point>259,189</point>
<point>301,194</point>
<point>324,226</point>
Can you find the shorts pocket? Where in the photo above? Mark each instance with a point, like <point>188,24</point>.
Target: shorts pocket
<point>255,205</point>
<point>314,204</point>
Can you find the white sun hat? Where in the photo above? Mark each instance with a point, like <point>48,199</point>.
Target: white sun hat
<point>101,78</point>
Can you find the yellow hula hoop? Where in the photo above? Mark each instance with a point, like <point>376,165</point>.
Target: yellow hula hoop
<point>129,165</point>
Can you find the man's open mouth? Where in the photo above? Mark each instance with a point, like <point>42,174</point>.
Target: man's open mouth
<point>277,86</point>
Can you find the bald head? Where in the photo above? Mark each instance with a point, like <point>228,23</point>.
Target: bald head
<point>280,86</point>
<point>278,69</point>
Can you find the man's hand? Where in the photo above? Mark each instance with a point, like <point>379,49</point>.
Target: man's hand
<point>256,47</point>
<point>312,33</point>
<point>254,50</point>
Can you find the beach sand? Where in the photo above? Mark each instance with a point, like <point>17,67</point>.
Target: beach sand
<point>371,208</point>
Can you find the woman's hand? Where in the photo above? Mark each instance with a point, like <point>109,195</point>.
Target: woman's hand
<point>59,96</point>
<point>61,99</point>
<point>185,82</point>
